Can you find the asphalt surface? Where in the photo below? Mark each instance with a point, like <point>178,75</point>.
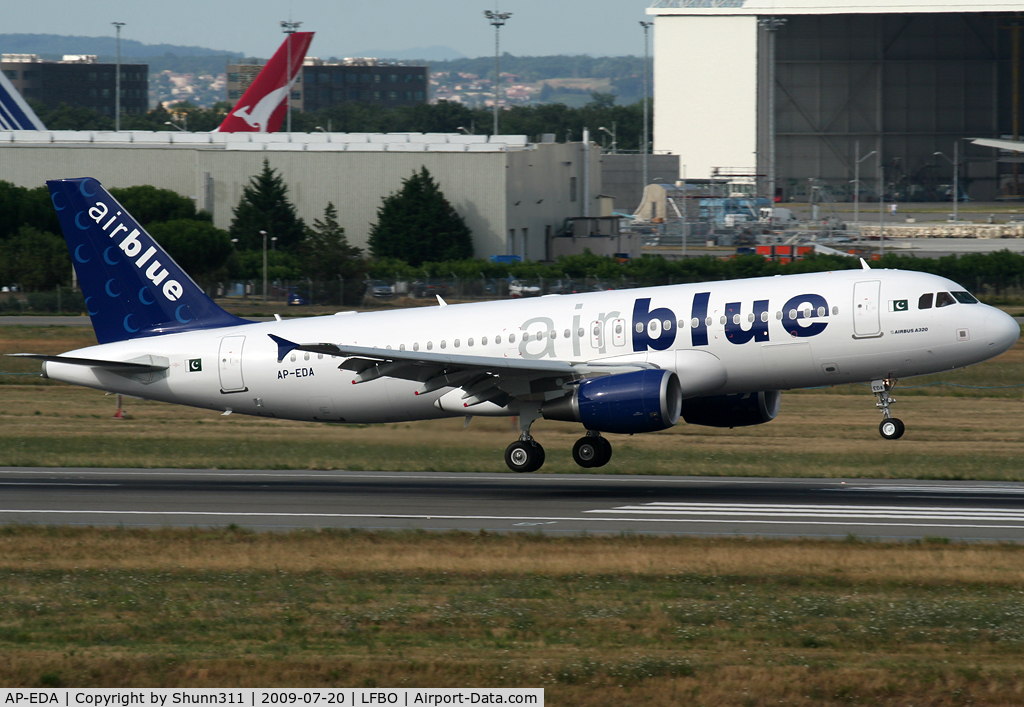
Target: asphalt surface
<point>546,503</point>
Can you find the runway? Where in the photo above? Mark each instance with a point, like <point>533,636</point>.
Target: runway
<point>545,503</point>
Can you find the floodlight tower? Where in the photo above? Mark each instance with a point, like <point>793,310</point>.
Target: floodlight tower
<point>772,25</point>
<point>117,80</point>
<point>647,61</point>
<point>498,20</point>
<point>289,28</point>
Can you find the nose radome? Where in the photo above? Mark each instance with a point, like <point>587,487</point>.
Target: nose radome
<point>1001,329</point>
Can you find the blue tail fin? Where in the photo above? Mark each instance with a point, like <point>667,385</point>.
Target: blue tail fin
<point>132,287</point>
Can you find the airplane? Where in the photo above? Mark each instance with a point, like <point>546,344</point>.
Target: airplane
<point>262,107</point>
<point>619,362</point>
<point>15,113</point>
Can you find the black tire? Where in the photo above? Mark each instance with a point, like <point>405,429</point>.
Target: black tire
<point>891,428</point>
<point>588,451</point>
<point>523,457</point>
<point>606,453</point>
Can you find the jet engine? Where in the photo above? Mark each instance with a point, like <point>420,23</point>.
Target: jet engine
<point>736,410</point>
<point>623,403</point>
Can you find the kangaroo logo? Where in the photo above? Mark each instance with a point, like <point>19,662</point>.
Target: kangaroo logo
<point>259,116</point>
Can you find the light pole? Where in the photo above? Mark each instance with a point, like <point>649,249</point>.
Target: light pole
<point>856,179</point>
<point>881,207</point>
<point>956,179</point>
<point>498,20</point>
<point>264,234</point>
<point>174,125</point>
<point>117,80</point>
<point>611,133</point>
<point>643,148</point>
<point>290,28</point>
<point>772,25</point>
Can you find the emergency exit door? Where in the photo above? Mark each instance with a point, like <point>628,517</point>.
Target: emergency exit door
<point>230,364</point>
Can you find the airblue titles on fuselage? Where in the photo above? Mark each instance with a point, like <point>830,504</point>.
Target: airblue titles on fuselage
<point>656,328</point>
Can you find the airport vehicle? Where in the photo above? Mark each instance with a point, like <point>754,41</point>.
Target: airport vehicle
<point>261,109</point>
<point>621,361</point>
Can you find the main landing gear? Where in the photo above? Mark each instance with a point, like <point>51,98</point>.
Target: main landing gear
<point>890,427</point>
<point>592,451</point>
<point>525,454</point>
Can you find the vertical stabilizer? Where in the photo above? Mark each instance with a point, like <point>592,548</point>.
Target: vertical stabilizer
<point>262,108</point>
<point>132,287</point>
<point>15,113</point>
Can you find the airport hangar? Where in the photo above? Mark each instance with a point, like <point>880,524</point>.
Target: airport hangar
<point>514,195</point>
<point>906,79</point>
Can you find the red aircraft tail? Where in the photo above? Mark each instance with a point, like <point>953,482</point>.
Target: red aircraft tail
<point>262,108</point>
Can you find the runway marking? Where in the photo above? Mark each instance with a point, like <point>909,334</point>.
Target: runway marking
<point>52,483</point>
<point>585,519</point>
<point>769,510</point>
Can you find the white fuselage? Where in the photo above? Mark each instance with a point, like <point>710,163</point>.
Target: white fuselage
<point>767,333</point>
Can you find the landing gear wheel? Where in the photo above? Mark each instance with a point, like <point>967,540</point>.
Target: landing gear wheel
<point>891,428</point>
<point>591,451</point>
<point>605,455</point>
<point>586,451</point>
<point>523,456</point>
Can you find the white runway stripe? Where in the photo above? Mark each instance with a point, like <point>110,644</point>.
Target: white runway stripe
<point>770,510</point>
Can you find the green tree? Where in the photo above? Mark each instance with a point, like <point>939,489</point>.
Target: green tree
<point>327,256</point>
<point>417,224</point>
<point>264,206</point>
<point>152,205</point>
<point>200,248</point>
<point>35,260</point>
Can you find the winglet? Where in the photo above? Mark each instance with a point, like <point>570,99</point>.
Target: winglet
<point>440,301</point>
<point>864,264</point>
<point>284,347</point>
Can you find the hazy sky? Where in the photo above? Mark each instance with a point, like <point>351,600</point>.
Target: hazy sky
<point>537,27</point>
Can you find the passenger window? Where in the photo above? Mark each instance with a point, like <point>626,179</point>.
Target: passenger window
<point>483,341</point>
<point>944,299</point>
<point>926,301</point>
<point>965,298</point>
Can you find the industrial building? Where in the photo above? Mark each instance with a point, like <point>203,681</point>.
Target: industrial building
<point>515,196</point>
<point>78,80</point>
<point>862,88</point>
<point>323,84</point>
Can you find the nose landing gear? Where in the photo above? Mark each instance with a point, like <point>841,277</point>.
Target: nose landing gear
<point>890,427</point>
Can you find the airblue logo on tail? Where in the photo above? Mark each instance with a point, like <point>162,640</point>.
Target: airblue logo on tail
<point>132,287</point>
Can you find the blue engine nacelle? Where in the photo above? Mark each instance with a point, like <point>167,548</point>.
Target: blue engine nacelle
<point>737,410</point>
<point>624,403</point>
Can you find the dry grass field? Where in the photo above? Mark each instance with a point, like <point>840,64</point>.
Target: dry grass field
<point>596,621</point>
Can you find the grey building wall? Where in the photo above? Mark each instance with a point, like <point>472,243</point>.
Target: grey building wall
<point>524,190</point>
<point>905,85</point>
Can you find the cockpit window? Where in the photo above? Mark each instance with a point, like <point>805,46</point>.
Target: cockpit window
<point>926,301</point>
<point>965,298</point>
<point>944,299</point>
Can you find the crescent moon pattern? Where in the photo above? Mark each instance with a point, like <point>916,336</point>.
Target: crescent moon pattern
<point>142,297</point>
<point>106,257</point>
<point>89,309</point>
<point>109,293</point>
<point>79,224</point>
<point>177,315</point>
<point>53,198</point>
<point>128,327</point>
<point>78,256</point>
<point>81,187</point>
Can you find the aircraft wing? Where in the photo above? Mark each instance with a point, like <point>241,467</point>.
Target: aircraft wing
<point>1013,145</point>
<point>483,378</point>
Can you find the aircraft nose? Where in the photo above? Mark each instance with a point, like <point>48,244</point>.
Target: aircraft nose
<point>1002,330</point>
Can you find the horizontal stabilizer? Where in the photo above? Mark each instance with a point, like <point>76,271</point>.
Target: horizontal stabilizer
<point>112,366</point>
